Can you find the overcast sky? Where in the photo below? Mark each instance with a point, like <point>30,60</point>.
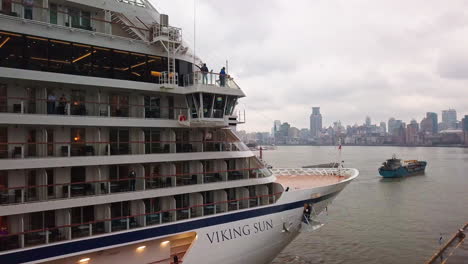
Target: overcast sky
<point>352,58</point>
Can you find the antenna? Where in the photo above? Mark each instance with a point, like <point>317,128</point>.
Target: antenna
<point>194,30</point>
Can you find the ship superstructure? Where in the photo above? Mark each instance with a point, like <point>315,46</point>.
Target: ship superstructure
<point>116,148</point>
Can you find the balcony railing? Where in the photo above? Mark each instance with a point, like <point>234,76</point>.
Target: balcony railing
<point>109,148</point>
<point>19,105</point>
<point>25,194</point>
<point>92,228</point>
<point>67,19</point>
<point>210,78</point>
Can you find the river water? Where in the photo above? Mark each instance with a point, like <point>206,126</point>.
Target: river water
<point>382,221</point>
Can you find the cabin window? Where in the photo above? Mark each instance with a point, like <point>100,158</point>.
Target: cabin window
<point>119,141</point>
<point>37,53</point>
<point>60,56</point>
<point>102,63</point>
<point>152,106</point>
<point>53,14</point>
<point>218,107</point>
<point>3,141</point>
<point>3,98</point>
<point>121,65</point>
<point>207,105</point>
<point>152,141</point>
<point>11,50</point>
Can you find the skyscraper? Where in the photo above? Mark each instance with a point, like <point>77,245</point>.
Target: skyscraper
<point>383,127</point>
<point>368,121</point>
<point>391,125</point>
<point>276,127</point>
<point>464,124</point>
<point>394,126</point>
<point>412,130</point>
<point>435,123</point>
<point>449,118</point>
<point>315,122</point>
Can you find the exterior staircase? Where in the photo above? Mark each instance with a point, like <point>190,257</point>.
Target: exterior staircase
<point>129,27</point>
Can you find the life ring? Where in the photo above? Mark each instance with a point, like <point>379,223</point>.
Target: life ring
<point>182,118</point>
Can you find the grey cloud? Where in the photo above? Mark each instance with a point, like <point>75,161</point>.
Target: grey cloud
<point>453,65</point>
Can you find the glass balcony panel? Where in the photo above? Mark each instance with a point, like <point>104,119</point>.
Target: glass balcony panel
<point>9,242</point>
<point>120,224</point>
<point>208,209</point>
<point>99,227</point>
<point>182,214</point>
<point>80,231</point>
<point>196,211</point>
<point>167,216</point>
<point>35,238</point>
<point>153,219</point>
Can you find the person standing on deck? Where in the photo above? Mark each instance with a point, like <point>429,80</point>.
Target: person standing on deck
<point>222,77</point>
<point>51,103</point>
<point>132,179</point>
<point>204,71</point>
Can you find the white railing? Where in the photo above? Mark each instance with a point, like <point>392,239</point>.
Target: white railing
<point>167,33</point>
<point>210,78</point>
<point>139,3</point>
<point>347,172</point>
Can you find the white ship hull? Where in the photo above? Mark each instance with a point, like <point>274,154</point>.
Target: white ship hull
<point>247,236</point>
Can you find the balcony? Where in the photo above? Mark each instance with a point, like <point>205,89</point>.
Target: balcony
<point>69,17</point>
<point>78,147</point>
<point>128,183</point>
<point>210,79</point>
<point>65,107</point>
<point>44,236</point>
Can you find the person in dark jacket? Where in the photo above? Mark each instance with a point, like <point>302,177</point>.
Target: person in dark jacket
<point>222,77</point>
<point>204,71</point>
<point>132,180</point>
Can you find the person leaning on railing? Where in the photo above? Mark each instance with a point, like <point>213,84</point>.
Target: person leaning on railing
<point>222,77</point>
<point>204,71</point>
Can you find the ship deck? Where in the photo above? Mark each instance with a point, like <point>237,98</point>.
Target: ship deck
<point>306,178</point>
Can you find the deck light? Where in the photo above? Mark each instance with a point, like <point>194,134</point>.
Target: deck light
<point>165,242</point>
<point>141,248</point>
<point>84,260</point>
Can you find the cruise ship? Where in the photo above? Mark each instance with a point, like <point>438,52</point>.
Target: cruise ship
<point>116,148</point>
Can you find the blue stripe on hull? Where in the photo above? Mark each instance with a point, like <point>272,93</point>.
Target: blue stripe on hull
<point>36,254</point>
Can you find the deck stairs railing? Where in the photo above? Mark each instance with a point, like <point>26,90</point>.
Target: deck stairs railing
<point>170,39</point>
<point>128,26</point>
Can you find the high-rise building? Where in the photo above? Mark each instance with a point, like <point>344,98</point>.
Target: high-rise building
<point>383,127</point>
<point>435,124</point>
<point>315,122</point>
<point>464,125</point>
<point>394,126</point>
<point>449,119</point>
<point>391,125</point>
<point>276,127</point>
<point>412,130</point>
<point>368,121</point>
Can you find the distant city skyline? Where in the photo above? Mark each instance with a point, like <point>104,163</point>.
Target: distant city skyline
<point>429,132</point>
<point>450,114</point>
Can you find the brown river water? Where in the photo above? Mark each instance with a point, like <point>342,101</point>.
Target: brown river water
<point>382,221</point>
